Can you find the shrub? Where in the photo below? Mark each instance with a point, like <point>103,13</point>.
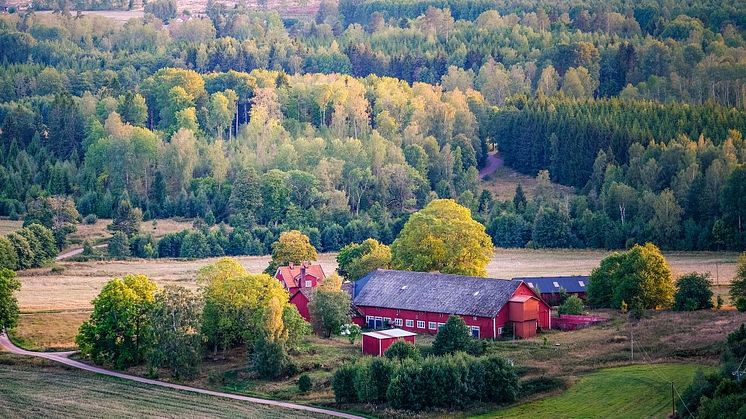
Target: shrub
<point>572,305</point>
<point>372,378</point>
<point>304,383</point>
<point>741,305</point>
<point>343,384</point>
<point>401,350</point>
<point>402,392</point>
<point>454,336</point>
<point>500,380</point>
<point>693,292</point>
<point>270,360</point>
<point>119,245</point>
<point>90,219</point>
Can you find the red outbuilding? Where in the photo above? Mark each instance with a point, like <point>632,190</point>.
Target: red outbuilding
<point>376,343</point>
<point>422,302</point>
<point>300,300</point>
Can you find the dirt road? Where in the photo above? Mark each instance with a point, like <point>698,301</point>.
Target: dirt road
<point>63,358</point>
<point>494,162</point>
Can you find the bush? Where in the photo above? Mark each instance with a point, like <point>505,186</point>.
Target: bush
<point>572,305</point>
<point>372,377</point>
<point>343,384</point>
<point>500,380</point>
<point>454,336</point>
<point>401,350</point>
<point>693,292</point>
<point>119,246</point>
<point>304,383</point>
<point>90,219</point>
<point>741,305</point>
<point>402,392</point>
<point>270,360</point>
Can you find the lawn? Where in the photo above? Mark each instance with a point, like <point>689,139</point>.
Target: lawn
<point>635,391</point>
<point>39,388</point>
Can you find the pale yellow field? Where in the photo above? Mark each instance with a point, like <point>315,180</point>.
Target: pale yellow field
<point>9,226</point>
<point>98,231</point>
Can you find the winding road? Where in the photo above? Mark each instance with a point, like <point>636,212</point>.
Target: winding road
<point>64,358</point>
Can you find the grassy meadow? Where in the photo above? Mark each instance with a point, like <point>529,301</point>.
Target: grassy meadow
<point>636,391</point>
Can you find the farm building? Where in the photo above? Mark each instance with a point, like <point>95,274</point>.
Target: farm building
<point>422,302</point>
<point>299,280</point>
<point>294,277</point>
<point>549,286</point>
<point>376,343</point>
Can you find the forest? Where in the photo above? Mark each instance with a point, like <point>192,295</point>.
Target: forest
<point>342,126</point>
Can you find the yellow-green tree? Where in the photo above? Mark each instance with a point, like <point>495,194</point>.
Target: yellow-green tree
<point>357,259</point>
<point>292,246</point>
<point>237,305</point>
<point>119,329</point>
<point>442,237</point>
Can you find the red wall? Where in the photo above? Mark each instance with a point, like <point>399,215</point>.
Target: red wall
<point>300,301</point>
<point>377,347</point>
<point>485,324</point>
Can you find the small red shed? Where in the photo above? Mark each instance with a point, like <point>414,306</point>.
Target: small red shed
<point>376,343</point>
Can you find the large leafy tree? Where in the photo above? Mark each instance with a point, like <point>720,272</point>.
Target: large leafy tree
<point>329,307</point>
<point>443,237</point>
<point>357,259</point>
<point>119,332</point>
<point>292,247</point>
<point>246,199</point>
<point>8,302</point>
<point>693,292</point>
<point>177,343</point>
<point>640,277</point>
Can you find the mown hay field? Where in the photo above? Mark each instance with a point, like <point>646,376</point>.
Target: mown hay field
<point>38,388</point>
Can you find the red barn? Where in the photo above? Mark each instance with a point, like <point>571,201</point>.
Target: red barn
<point>422,302</point>
<point>294,277</point>
<point>550,287</point>
<point>376,343</point>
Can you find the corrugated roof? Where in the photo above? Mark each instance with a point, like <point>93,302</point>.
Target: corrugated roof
<point>552,284</point>
<point>435,292</point>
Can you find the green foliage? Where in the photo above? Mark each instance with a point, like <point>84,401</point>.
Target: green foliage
<point>8,303</point>
<point>358,259</point>
<point>443,237</point>
<point>343,384</point>
<point>641,277</point>
<point>453,336</point>
<point>127,219</point>
<point>304,383</point>
<point>269,358</point>
<point>25,257</point>
<point>401,350</point>
<point>292,247</point>
<point>176,342</point>
<point>572,305</point>
<point>119,246</point>
<point>8,257</point>
<point>118,334</point>
<point>693,292</point>
<point>372,377</point>
<point>738,284</point>
<point>329,310</point>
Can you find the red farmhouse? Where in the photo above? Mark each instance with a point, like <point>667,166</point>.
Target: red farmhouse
<point>421,302</point>
<point>376,343</point>
<point>299,280</point>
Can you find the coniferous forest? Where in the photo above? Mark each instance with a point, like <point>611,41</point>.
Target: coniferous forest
<point>343,125</point>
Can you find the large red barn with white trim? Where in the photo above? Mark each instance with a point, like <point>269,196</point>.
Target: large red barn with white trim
<point>421,302</point>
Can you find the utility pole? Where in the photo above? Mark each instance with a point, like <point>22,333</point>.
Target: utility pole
<point>673,402</point>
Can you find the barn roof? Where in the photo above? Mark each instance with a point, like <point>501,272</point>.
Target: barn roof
<point>435,292</point>
<point>552,284</point>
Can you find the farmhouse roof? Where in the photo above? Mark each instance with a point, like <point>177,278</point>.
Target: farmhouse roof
<point>552,284</point>
<point>435,292</point>
<point>291,274</point>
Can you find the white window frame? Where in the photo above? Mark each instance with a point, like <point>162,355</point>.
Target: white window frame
<point>369,318</point>
<point>420,324</point>
<point>387,320</point>
<point>398,322</point>
<point>499,331</point>
<point>309,283</point>
<point>479,332</point>
<point>410,323</point>
<point>432,325</point>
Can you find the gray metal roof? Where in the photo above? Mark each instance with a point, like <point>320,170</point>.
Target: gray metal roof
<point>435,292</point>
<point>546,284</point>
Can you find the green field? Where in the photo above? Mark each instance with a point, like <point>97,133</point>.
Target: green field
<point>636,391</point>
<point>37,388</point>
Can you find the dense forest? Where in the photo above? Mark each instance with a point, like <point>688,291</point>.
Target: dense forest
<point>342,126</point>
